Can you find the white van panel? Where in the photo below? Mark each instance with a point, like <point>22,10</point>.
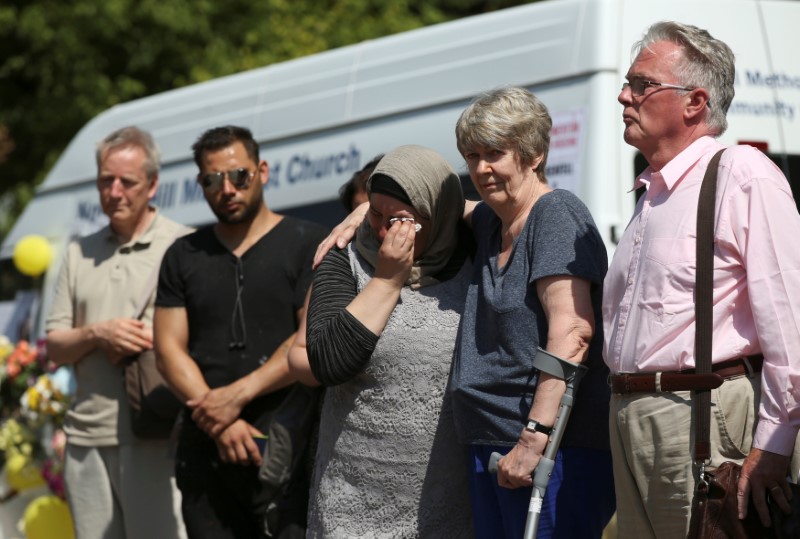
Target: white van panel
<point>320,118</point>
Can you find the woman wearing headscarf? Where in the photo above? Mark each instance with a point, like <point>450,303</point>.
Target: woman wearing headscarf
<point>382,323</point>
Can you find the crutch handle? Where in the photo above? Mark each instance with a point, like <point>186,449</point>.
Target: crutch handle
<point>571,373</point>
<point>494,458</point>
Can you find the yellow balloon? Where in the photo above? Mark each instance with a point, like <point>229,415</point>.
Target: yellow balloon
<point>22,473</point>
<point>32,255</point>
<point>48,517</point>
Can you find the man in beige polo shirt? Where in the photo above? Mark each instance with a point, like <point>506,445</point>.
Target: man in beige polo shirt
<point>118,486</point>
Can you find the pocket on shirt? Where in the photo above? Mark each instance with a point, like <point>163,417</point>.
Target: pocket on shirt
<point>668,277</point>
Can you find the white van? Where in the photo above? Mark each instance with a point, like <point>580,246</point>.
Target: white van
<point>320,118</point>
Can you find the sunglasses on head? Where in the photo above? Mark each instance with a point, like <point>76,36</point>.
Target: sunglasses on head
<point>239,178</point>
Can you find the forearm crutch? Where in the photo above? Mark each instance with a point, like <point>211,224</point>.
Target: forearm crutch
<point>571,373</point>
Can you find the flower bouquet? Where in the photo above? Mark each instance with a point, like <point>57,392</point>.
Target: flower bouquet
<point>43,402</point>
<point>20,366</point>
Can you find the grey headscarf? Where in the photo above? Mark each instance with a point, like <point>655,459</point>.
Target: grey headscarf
<point>435,192</point>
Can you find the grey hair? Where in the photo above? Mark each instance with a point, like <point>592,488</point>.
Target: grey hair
<point>132,137</point>
<point>508,117</point>
<point>707,63</point>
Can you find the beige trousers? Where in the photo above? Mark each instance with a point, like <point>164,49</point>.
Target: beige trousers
<point>123,492</point>
<point>651,444</point>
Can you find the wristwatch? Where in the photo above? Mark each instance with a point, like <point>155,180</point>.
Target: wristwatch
<point>534,426</point>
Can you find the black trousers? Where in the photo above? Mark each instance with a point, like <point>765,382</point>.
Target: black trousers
<point>220,500</point>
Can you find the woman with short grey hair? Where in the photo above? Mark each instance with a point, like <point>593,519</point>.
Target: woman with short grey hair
<point>537,282</point>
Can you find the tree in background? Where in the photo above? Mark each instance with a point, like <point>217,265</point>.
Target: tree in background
<point>62,63</point>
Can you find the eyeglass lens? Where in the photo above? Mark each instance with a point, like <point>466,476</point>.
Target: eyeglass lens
<point>239,178</point>
<point>637,86</point>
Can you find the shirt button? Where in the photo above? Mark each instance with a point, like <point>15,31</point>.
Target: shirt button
<point>630,281</point>
<point>637,238</point>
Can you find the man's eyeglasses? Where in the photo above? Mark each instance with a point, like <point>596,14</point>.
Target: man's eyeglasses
<point>106,182</point>
<point>638,86</point>
<point>239,178</point>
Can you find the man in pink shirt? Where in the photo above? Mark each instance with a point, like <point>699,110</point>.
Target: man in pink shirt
<point>677,93</point>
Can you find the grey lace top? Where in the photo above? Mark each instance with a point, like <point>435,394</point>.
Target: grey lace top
<point>388,463</point>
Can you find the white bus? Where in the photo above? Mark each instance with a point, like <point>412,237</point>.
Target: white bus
<point>320,118</point>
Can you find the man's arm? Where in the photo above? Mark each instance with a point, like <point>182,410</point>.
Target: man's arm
<point>567,305</point>
<point>764,226</point>
<point>762,472</point>
<point>171,329</point>
<point>68,343</point>
<point>218,408</point>
<point>118,338</point>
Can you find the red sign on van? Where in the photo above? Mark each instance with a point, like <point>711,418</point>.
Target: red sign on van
<point>759,144</point>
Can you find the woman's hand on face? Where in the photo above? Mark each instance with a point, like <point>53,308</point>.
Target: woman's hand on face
<point>396,254</point>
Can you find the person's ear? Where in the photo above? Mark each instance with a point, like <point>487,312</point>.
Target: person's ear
<point>697,103</point>
<point>263,170</point>
<point>536,162</point>
<point>151,191</point>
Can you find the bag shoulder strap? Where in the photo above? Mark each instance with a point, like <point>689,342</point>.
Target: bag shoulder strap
<point>704,287</point>
<point>152,280</point>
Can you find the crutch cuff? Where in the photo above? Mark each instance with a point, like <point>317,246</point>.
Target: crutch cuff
<point>558,367</point>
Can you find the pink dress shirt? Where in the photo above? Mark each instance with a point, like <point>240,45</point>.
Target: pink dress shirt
<point>648,301</point>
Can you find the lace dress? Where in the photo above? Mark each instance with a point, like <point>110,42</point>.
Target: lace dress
<point>388,462</point>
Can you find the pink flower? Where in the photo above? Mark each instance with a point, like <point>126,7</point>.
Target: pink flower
<point>53,473</point>
<point>12,368</point>
<point>59,442</point>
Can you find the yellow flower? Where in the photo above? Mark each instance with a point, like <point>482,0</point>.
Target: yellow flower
<point>16,438</point>
<point>5,348</point>
<point>33,398</point>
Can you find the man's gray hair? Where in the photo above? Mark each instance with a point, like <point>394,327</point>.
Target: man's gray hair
<point>127,137</point>
<point>707,63</point>
<point>507,117</point>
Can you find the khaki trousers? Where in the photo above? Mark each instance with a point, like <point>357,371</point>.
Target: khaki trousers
<point>123,492</point>
<point>652,442</point>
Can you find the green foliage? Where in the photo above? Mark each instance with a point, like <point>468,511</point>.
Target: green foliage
<point>61,63</point>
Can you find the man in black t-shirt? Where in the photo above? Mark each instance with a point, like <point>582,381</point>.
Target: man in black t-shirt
<point>230,297</point>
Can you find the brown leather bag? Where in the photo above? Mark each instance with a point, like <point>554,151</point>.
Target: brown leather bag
<point>715,512</point>
<point>154,407</point>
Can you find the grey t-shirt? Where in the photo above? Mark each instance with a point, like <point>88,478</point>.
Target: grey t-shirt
<point>493,379</point>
